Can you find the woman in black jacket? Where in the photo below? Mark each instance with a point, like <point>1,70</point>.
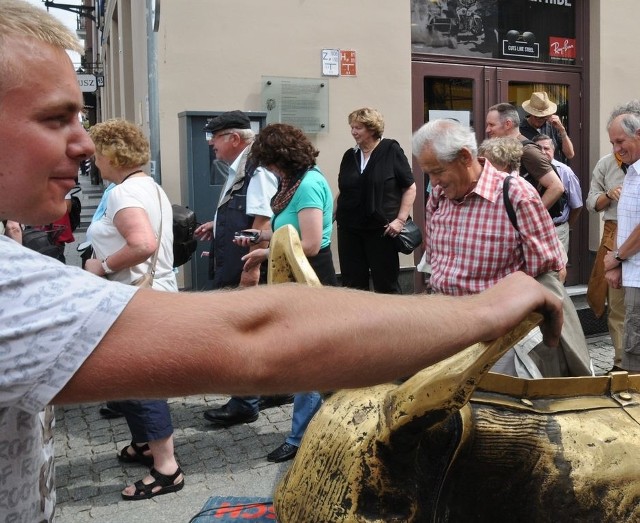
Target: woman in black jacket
<point>376,195</point>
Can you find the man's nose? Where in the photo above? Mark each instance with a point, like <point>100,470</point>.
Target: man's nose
<point>80,143</point>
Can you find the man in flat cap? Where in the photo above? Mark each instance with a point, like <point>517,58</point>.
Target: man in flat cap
<point>542,119</point>
<point>244,203</point>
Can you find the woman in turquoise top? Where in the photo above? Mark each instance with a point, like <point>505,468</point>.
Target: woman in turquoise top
<point>304,201</point>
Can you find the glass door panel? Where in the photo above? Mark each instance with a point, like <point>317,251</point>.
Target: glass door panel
<point>516,86</point>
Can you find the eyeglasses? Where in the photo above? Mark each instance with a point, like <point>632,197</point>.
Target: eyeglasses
<point>212,136</point>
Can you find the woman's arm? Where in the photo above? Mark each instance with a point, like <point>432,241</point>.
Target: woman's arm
<point>310,221</point>
<point>134,226</point>
<point>406,204</point>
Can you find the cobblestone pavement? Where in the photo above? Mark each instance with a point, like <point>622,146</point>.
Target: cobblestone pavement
<point>225,462</point>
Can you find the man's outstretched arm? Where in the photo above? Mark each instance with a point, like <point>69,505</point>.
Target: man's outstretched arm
<point>286,338</point>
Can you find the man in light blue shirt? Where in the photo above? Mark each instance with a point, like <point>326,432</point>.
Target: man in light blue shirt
<point>572,191</point>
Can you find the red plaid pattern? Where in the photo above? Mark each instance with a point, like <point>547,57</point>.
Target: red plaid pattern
<point>471,244</point>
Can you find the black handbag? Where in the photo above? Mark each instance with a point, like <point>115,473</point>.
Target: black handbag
<point>410,237</point>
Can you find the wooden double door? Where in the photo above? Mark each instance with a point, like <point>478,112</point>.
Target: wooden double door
<point>465,92</point>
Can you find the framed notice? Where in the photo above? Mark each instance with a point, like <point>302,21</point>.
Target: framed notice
<point>303,102</point>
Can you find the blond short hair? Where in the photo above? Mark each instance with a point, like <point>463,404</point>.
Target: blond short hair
<point>21,20</point>
<point>121,142</point>
<point>504,153</point>
<point>370,118</point>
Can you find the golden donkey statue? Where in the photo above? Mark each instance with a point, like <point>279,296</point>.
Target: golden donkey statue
<point>456,443</point>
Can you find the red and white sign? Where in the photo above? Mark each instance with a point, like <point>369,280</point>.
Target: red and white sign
<point>347,63</point>
<point>562,47</point>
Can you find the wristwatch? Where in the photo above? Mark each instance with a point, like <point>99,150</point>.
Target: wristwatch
<point>105,267</point>
<point>617,256</point>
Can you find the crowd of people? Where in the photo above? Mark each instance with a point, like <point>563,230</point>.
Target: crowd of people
<point>490,233</point>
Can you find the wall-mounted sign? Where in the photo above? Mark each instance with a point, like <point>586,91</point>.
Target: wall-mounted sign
<point>562,47</point>
<point>331,62</point>
<point>338,62</point>
<point>520,48</point>
<point>347,63</point>
<point>100,80</point>
<point>87,83</point>
<point>303,102</point>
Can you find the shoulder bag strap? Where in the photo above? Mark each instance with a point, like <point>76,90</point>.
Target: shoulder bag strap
<point>152,268</point>
<point>507,203</point>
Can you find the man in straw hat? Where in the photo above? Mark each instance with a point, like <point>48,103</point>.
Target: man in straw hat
<point>542,119</point>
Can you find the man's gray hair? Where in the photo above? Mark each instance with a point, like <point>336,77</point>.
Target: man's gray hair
<point>630,120</point>
<point>446,138</point>
<point>506,112</point>
<point>247,135</point>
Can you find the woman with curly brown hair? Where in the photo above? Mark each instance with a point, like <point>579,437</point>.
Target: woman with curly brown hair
<point>304,201</point>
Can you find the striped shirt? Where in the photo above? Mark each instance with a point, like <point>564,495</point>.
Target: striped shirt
<point>471,244</point>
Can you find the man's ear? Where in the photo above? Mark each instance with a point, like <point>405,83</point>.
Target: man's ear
<point>465,156</point>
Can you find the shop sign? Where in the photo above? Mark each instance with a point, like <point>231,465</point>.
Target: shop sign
<point>562,47</point>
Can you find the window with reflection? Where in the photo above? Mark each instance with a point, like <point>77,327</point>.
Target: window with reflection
<point>527,30</point>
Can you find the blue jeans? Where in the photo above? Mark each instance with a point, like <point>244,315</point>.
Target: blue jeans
<point>304,407</point>
<point>148,420</point>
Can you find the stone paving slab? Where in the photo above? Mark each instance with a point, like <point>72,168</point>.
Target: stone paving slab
<point>225,462</point>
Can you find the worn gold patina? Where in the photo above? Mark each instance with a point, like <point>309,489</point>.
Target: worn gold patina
<point>456,443</point>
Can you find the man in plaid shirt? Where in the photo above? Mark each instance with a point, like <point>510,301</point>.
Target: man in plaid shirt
<point>470,240</point>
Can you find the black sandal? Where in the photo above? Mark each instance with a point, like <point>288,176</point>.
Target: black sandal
<point>166,484</point>
<point>138,457</point>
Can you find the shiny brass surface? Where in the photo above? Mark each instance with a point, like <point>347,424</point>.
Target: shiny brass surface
<point>455,443</point>
<point>287,262</point>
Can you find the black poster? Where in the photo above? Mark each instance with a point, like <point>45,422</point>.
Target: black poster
<point>528,30</point>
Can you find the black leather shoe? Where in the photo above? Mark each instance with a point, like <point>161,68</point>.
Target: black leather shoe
<point>266,402</point>
<point>284,452</point>
<point>230,414</point>
<point>108,413</point>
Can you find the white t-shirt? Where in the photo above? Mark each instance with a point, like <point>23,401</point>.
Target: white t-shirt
<point>263,185</point>
<point>137,192</point>
<point>52,318</point>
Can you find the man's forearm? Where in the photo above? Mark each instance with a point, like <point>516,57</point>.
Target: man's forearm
<point>567,145</point>
<point>553,188</point>
<point>288,338</point>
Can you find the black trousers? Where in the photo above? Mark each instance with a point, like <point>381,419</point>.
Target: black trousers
<point>364,252</point>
